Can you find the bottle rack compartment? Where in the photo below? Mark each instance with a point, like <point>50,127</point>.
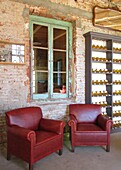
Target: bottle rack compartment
<point>99,59</point>
<point>105,82</point>
<point>100,93</point>
<point>117,82</point>
<point>117,103</point>
<point>103,103</point>
<point>117,71</point>
<point>117,113</point>
<point>117,60</point>
<point>105,71</point>
<point>100,82</point>
<point>117,92</point>
<point>101,48</point>
<point>116,124</point>
<point>105,93</point>
<point>102,44</point>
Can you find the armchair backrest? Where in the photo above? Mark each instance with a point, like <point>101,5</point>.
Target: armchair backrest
<point>85,112</point>
<point>27,117</point>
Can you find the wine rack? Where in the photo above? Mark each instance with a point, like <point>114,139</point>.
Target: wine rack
<point>102,74</point>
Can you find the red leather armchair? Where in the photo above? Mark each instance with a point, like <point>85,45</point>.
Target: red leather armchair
<point>32,137</point>
<point>88,126</point>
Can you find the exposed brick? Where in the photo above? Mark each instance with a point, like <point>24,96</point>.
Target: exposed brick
<point>14,26</point>
<point>3,137</point>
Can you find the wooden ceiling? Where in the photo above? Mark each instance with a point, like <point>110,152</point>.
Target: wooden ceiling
<point>108,17</point>
<point>116,1</point>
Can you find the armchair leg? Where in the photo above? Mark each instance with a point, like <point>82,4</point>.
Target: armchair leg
<point>30,167</point>
<point>60,152</point>
<point>107,148</point>
<point>8,156</point>
<point>72,148</point>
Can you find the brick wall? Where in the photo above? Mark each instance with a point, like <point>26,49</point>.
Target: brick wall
<point>15,79</point>
<point>13,91</point>
<point>14,26</point>
<point>3,137</point>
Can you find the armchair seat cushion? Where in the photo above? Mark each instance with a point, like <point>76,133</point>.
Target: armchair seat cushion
<point>90,134</point>
<point>46,143</point>
<point>88,127</point>
<point>43,136</point>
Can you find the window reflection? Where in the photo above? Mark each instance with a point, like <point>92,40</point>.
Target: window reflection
<point>40,35</point>
<point>40,58</point>
<point>13,53</point>
<point>59,39</point>
<point>59,80</point>
<point>59,58</point>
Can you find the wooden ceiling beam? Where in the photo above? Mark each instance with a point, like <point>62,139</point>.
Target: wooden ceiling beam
<point>116,1</point>
<point>59,36</point>
<point>36,29</point>
<point>107,17</point>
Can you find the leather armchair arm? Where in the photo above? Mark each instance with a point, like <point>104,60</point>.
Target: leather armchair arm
<point>52,125</point>
<point>22,133</point>
<point>73,123</point>
<point>104,122</point>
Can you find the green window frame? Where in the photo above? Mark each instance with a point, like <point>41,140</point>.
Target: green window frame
<point>52,25</point>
